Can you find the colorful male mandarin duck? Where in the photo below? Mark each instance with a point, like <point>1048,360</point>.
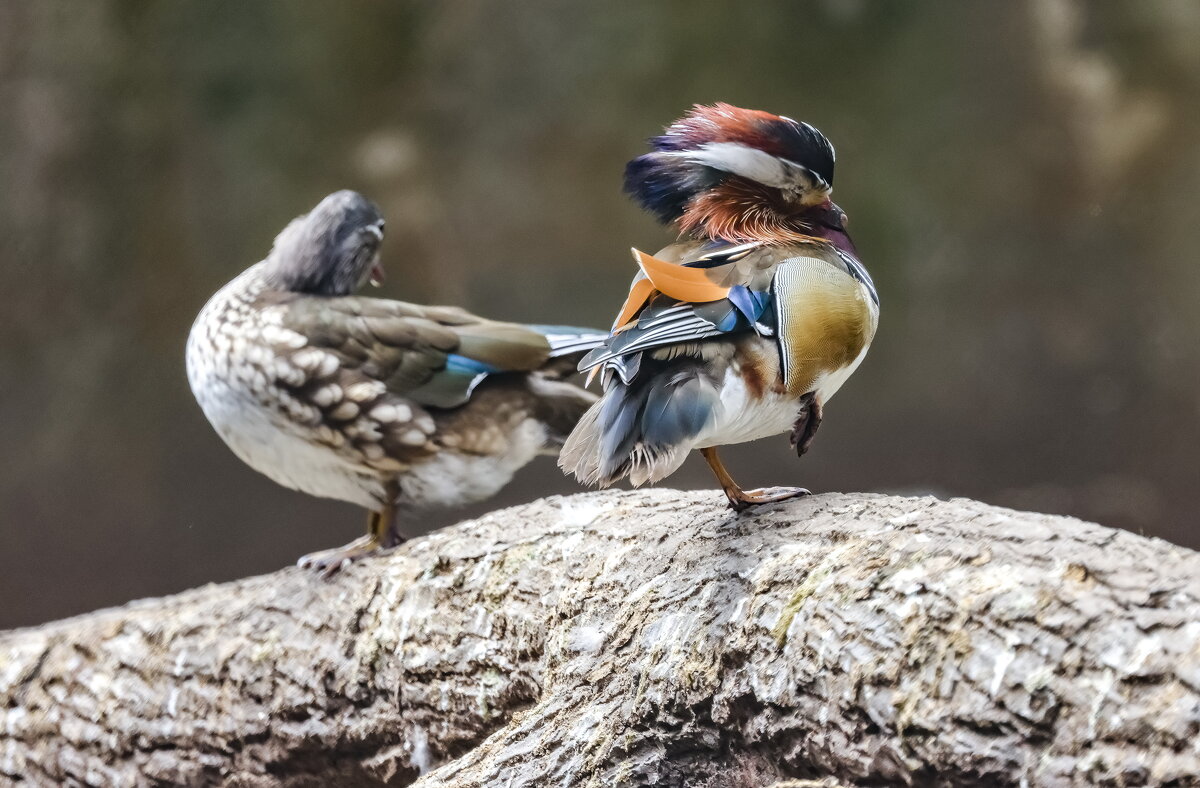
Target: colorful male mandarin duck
<point>747,325</point>
<point>391,406</point>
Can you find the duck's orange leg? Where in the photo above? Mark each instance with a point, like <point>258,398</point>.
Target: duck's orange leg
<point>740,499</point>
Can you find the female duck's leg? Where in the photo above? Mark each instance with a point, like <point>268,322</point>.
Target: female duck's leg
<point>381,534</point>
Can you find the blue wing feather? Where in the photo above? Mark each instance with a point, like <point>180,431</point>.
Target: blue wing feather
<point>468,366</point>
<point>453,385</point>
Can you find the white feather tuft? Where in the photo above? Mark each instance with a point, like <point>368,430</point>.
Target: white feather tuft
<point>755,165</point>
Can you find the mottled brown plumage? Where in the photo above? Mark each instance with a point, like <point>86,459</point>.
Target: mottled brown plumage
<point>388,405</point>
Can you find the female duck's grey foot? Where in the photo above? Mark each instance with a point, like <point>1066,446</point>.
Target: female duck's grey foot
<point>328,563</point>
<point>740,500</point>
<point>381,535</point>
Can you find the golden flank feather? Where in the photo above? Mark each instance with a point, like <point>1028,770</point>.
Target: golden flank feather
<point>826,320</point>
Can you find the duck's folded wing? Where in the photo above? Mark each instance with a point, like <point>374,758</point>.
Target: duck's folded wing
<point>668,323</point>
<point>432,355</point>
<point>675,305</point>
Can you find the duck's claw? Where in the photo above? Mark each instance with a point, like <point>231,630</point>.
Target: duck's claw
<point>740,500</point>
<point>328,563</point>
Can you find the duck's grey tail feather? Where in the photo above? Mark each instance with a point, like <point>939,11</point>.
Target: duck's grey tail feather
<point>580,455</point>
<point>644,431</point>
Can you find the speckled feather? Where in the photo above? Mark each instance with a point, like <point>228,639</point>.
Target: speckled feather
<point>328,395</point>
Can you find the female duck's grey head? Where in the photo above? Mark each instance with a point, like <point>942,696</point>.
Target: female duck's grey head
<point>332,250</point>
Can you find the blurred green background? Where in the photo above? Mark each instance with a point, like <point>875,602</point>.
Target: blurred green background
<point>1021,179</point>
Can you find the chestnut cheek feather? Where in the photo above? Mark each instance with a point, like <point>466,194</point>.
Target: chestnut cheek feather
<point>740,211</point>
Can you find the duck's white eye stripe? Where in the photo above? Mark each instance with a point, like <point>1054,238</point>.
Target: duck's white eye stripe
<point>740,160</point>
<point>754,164</point>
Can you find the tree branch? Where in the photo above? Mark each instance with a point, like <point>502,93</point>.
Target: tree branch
<point>646,638</point>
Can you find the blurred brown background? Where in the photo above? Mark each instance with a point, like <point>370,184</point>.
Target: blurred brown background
<point>1021,179</point>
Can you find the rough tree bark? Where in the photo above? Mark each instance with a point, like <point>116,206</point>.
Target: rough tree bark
<point>649,638</point>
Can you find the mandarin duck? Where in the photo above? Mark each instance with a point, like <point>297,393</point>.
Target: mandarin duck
<point>748,324</point>
<point>392,406</point>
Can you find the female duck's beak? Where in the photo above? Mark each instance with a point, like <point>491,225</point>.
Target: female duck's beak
<point>377,275</point>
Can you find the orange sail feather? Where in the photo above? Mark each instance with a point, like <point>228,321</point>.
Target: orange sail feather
<point>690,285</point>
